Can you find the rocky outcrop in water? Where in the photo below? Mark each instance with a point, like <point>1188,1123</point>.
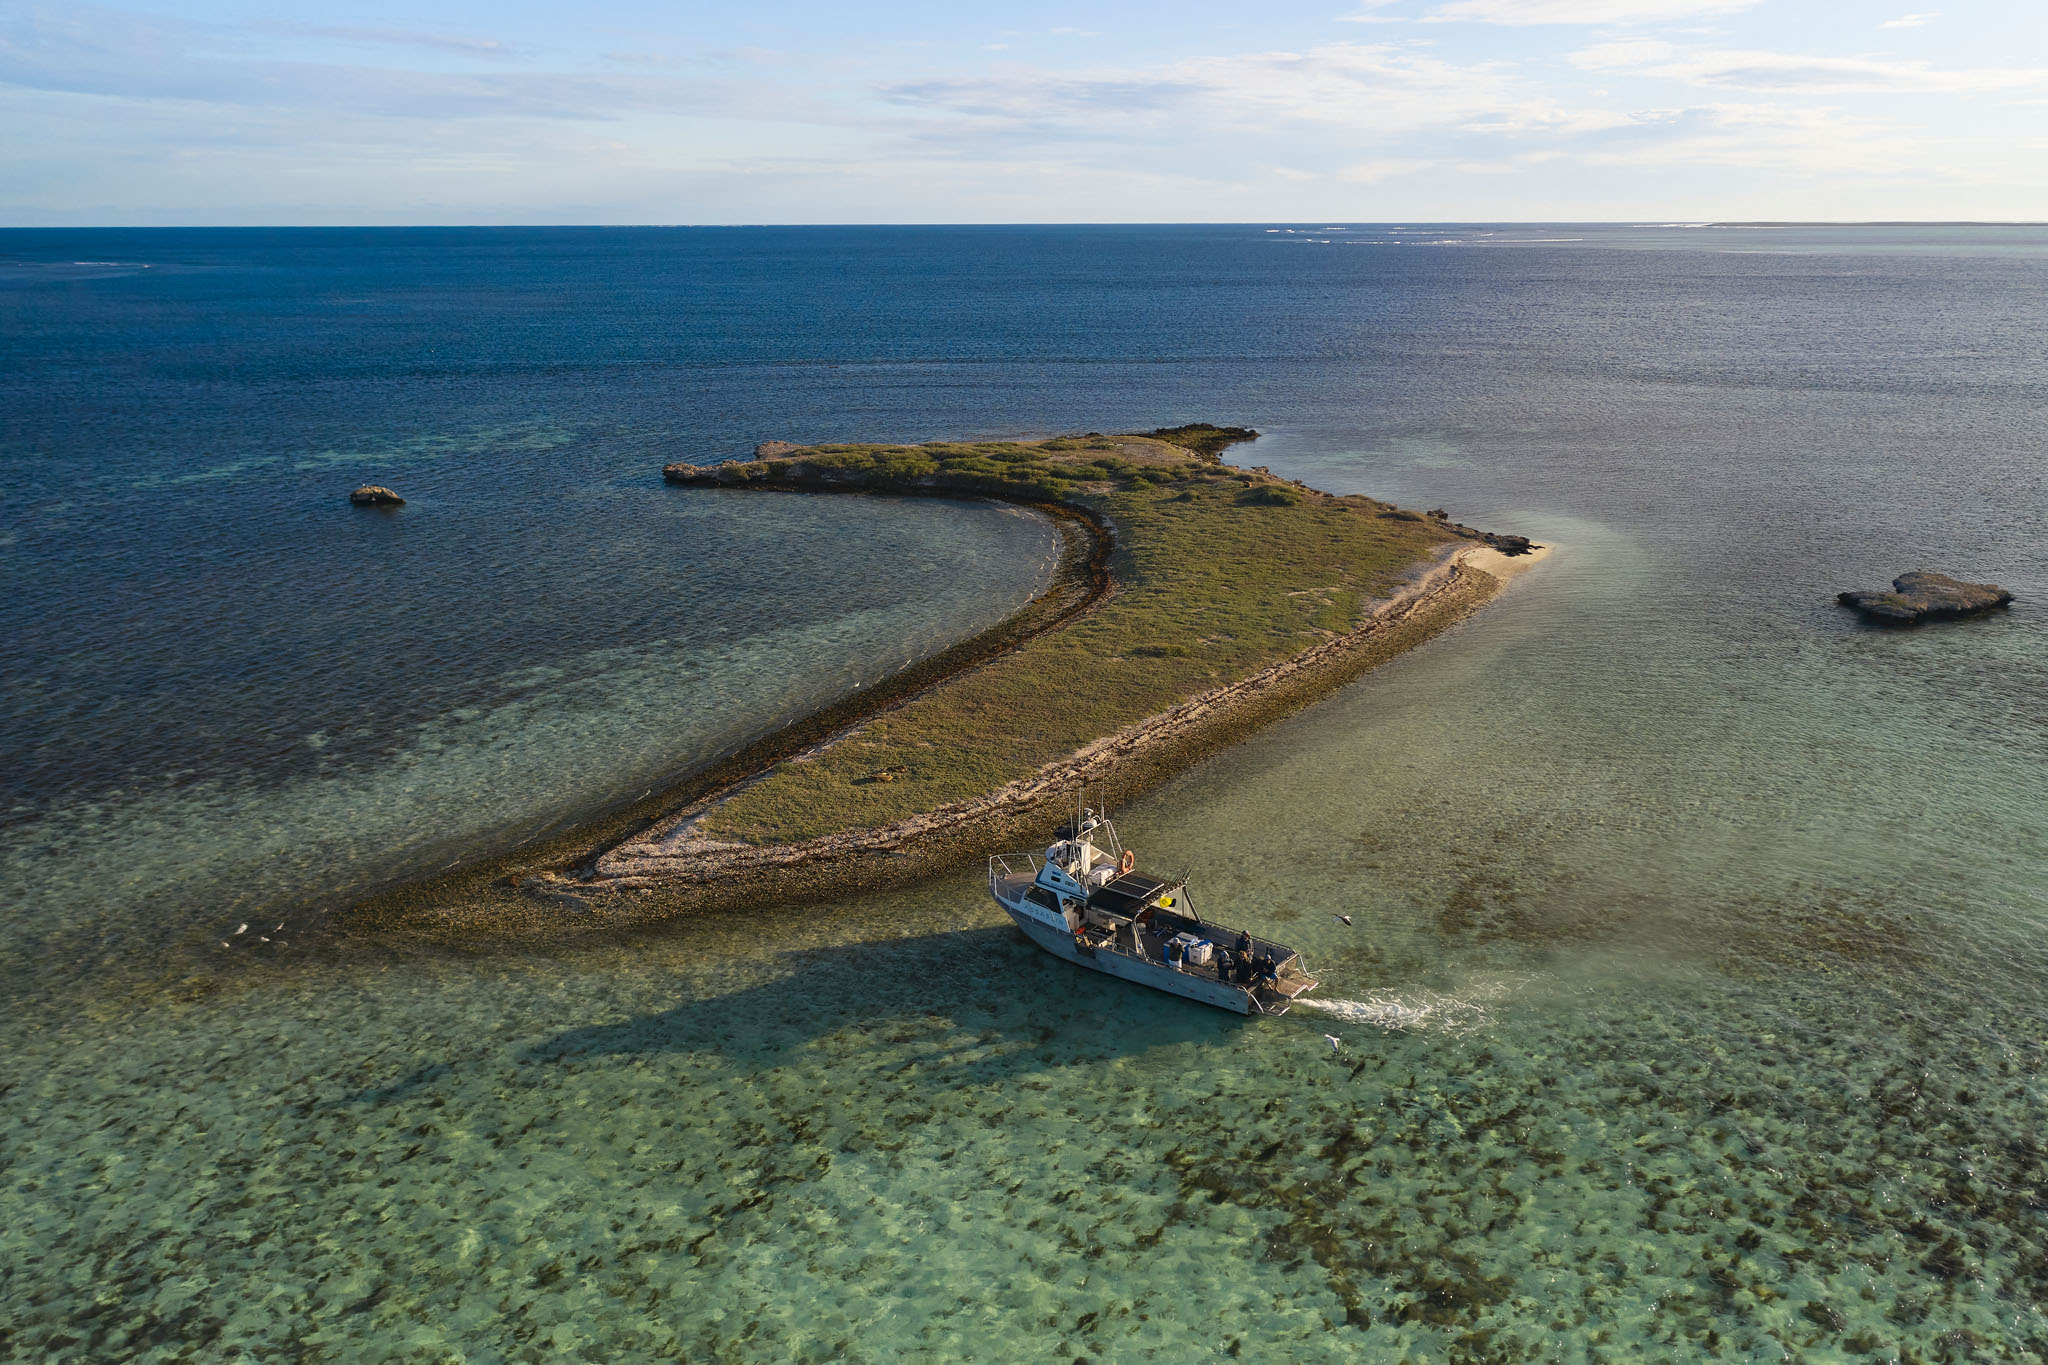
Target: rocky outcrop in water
<point>774,450</point>
<point>375,495</point>
<point>1510,546</point>
<point>1923,596</point>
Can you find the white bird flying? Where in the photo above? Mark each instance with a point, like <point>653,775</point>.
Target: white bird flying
<point>1336,1044</point>
<point>241,929</point>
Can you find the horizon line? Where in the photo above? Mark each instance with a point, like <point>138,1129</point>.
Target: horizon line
<point>1676,223</point>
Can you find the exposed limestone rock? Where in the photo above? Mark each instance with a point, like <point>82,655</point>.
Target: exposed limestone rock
<point>375,495</point>
<point>774,450</point>
<point>1922,596</point>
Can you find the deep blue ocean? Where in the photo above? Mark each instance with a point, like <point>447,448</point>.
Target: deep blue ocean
<point>1695,1007</point>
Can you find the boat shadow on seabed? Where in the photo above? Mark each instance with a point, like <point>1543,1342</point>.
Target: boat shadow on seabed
<point>979,1004</point>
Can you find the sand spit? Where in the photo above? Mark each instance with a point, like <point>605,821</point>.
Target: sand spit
<point>684,850</point>
<point>1222,715</point>
<point>656,873</point>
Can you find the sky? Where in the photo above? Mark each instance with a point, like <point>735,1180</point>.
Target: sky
<point>915,111</point>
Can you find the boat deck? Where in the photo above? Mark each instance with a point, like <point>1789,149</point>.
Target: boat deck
<point>1112,930</point>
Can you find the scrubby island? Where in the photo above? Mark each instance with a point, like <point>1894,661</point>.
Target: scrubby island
<point>1231,596</point>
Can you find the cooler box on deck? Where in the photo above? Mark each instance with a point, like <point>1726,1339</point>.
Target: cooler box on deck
<point>1196,952</point>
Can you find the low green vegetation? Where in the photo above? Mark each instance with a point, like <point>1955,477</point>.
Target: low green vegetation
<point>1219,572</point>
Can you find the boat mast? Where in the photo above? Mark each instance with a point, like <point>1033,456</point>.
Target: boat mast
<point>1081,844</point>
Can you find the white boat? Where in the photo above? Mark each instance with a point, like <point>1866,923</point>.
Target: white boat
<point>1085,901</point>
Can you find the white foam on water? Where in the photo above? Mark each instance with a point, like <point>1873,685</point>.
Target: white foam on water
<point>1418,1010</point>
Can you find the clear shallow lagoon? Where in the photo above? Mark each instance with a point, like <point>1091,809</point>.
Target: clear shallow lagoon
<point>1695,994</point>
<point>263,768</point>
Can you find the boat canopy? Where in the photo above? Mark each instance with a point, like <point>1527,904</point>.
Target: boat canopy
<point>1128,894</point>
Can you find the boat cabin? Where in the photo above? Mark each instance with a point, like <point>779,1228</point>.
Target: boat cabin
<point>1087,901</point>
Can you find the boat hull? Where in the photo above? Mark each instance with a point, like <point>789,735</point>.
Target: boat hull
<point>1189,985</point>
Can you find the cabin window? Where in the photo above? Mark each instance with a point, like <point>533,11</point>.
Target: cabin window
<point>1039,896</point>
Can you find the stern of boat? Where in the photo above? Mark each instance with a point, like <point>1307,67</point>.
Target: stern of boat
<point>1289,984</point>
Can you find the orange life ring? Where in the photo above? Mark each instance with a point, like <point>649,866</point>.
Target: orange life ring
<point>1130,860</point>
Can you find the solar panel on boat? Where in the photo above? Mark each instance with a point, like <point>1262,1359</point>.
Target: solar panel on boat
<point>1127,894</point>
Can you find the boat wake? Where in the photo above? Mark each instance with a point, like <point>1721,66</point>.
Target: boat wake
<point>1415,1011</point>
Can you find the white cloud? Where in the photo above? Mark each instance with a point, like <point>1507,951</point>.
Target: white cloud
<point>1759,139</point>
<point>1608,56</point>
<point>1555,120</point>
<point>83,50</point>
<point>1413,123</point>
<point>202,110</point>
<point>1366,14</point>
<point>1358,87</point>
<point>749,56</point>
<point>1791,73</point>
<point>445,42</point>
<point>1384,168</point>
<point>1911,20</point>
<point>1523,13</point>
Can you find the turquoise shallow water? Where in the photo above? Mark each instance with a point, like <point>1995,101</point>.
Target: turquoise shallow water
<point>539,745</point>
<point>1609,1085</point>
<point>1693,1004</point>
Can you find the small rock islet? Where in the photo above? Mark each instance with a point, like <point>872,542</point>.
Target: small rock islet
<point>1923,596</point>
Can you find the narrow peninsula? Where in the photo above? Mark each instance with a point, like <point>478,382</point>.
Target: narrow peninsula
<point>1196,600</point>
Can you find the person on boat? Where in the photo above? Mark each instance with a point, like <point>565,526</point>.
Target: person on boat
<point>1141,925</point>
<point>1223,965</point>
<point>1244,943</point>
